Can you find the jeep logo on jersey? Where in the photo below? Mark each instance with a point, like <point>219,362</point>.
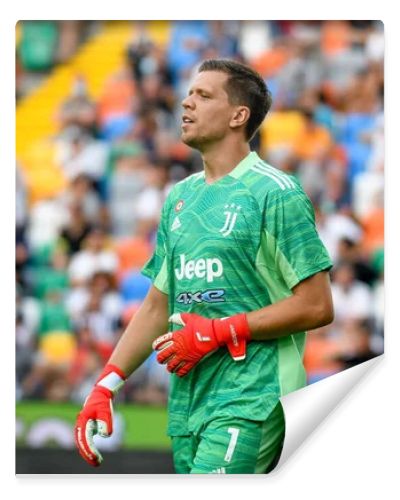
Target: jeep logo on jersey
<point>199,268</point>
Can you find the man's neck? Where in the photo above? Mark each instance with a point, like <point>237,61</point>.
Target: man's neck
<point>221,159</point>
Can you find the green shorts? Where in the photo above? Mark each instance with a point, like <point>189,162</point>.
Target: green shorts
<point>228,445</point>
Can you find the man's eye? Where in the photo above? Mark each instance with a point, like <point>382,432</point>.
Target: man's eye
<point>205,96</point>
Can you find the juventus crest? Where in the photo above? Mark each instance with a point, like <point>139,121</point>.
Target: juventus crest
<point>231,215</point>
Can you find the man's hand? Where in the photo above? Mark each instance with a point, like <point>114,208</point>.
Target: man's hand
<point>183,349</point>
<point>96,416</point>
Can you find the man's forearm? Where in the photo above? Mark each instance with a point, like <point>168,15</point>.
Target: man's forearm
<point>308,308</point>
<point>150,321</point>
<point>283,318</point>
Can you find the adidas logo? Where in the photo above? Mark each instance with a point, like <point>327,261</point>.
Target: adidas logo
<point>220,470</point>
<point>176,224</point>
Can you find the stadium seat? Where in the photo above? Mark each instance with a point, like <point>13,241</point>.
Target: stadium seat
<point>358,155</point>
<point>41,255</point>
<point>355,125</point>
<point>38,44</point>
<point>115,126</point>
<point>183,49</point>
<point>58,346</point>
<point>134,286</point>
<point>132,253</point>
<point>45,279</point>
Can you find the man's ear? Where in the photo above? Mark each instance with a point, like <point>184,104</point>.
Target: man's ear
<point>240,117</point>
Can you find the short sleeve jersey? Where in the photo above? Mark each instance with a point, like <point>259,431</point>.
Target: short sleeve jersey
<point>236,245</point>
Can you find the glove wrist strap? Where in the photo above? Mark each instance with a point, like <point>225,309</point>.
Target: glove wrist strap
<point>112,378</point>
<point>232,329</point>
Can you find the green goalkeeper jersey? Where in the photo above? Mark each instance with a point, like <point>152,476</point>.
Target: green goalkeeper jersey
<point>235,246</point>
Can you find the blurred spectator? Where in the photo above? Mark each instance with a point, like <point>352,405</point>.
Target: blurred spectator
<point>354,344</point>
<point>138,53</point>
<point>100,326</point>
<point>79,153</point>
<point>334,226</point>
<point>126,182</point>
<point>47,217</point>
<point>101,288</point>
<point>375,43</point>
<point>150,201</point>
<point>349,251</point>
<point>152,75</point>
<point>51,277</point>
<point>27,312</point>
<point>312,147</point>
<point>223,39</point>
<point>78,109</point>
<point>94,256</point>
<point>53,317</point>
<point>352,299</point>
<point>298,75</point>
<point>75,231</point>
<point>81,191</point>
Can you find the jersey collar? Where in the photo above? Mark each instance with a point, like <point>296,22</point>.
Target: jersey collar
<point>242,167</point>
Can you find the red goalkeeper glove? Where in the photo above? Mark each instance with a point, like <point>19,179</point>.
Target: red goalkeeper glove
<point>183,349</point>
<point>96,416</point>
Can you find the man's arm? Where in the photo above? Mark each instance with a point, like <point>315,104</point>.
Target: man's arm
<point>309,307</point>
<point>133,348</point>
<point>150,321</point>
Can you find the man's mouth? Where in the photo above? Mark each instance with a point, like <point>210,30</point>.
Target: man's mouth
<point>186,119</point>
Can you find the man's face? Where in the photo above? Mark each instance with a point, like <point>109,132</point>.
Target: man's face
<point>207,112</point>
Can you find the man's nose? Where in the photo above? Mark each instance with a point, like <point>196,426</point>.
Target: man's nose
<point>188,102</point>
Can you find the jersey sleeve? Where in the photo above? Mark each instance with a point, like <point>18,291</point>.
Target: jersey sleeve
<point>291,245</point>
<point>156,267</point>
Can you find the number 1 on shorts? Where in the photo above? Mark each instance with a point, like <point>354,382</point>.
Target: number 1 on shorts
<point>234,432</point>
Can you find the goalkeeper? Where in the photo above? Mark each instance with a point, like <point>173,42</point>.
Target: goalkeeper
<point>239,274</point>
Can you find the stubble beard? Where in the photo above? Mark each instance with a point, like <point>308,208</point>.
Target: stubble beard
<point>200,143</point>
<point>193,142</point>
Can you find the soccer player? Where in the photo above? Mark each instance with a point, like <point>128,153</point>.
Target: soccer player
<point>239,274</point>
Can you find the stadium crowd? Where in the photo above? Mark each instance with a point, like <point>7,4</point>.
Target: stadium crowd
<point>78,255</point>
